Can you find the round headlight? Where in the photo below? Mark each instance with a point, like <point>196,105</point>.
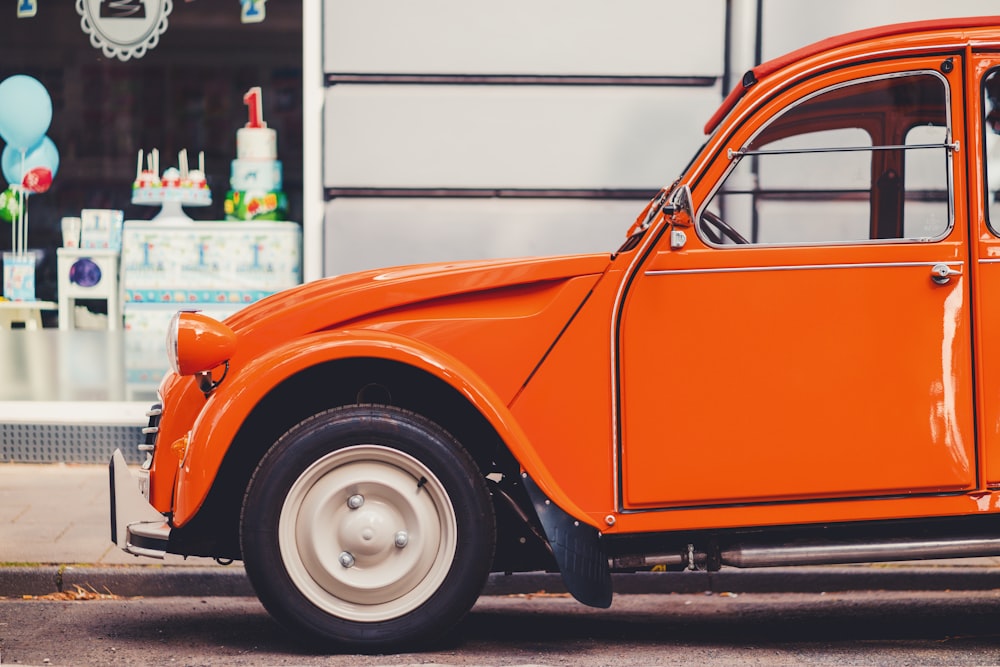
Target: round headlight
<point>197,343</point>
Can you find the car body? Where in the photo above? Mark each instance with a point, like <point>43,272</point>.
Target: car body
<point>787,362</point>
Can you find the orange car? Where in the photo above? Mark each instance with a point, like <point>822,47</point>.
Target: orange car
<point>787,362</point>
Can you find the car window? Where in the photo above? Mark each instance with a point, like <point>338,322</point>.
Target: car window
<point>862,162</point>
<point>925,207</point>
<point>991,142</point>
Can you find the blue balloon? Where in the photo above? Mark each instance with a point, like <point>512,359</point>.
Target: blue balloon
<point>45,154</point>
<point>25,111</point>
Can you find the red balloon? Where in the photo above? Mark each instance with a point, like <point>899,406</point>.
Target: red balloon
<point>37,180</point>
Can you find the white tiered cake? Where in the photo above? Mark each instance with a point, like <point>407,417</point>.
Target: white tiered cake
<point>255,177</point>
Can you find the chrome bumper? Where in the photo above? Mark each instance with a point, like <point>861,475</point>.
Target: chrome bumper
<point>136,527</point>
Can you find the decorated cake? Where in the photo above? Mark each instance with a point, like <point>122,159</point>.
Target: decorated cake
<point>255,177</point>
<point>177,184</point>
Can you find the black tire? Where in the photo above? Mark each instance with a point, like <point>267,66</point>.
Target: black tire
<point>417,488</point>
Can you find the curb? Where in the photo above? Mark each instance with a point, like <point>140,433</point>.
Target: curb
<point>195,581</point>
<point>129,581</point>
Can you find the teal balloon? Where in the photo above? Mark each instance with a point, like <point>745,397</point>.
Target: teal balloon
<point>45,154</point>
<point>25,111</point>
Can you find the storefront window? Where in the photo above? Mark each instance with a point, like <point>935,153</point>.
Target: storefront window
<point>183,97</point>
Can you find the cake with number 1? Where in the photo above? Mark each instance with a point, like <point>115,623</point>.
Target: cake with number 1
<point>255,177</point>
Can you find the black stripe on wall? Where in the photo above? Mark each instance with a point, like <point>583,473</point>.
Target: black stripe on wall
<point>333,79</point>
<point>639,194</point>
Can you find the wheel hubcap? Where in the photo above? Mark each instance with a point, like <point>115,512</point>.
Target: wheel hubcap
<point>367,533</point>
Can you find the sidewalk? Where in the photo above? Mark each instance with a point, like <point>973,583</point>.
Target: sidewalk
<point>55,535</point>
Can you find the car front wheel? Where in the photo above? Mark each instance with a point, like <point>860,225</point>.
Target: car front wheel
<point>368,526</point>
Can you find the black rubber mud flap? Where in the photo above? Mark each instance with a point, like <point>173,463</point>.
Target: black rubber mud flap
<point>577,550</point>
<point>114,505</point>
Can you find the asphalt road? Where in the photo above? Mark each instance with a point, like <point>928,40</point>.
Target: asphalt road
<point>864,628</point>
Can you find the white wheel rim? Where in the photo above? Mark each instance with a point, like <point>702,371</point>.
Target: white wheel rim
<point>381,580</point>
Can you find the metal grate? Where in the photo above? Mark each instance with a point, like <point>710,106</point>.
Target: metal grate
<point>66,443</point>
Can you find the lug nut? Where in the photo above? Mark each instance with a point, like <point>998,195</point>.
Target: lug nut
<point>401,539</point>
<point>356,501</point>
<point>346,559</point>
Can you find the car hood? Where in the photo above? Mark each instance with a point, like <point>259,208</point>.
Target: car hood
<point>336,301</point>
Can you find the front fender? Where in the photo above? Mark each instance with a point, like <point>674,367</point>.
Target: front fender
<point>230,405</point>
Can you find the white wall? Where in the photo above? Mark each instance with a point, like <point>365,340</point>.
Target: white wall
<point>788,24</point>
<point>429,98</point>
<point>431,229</point>
<point>473,136</point>
<point>436,97</point>
<point>566,37</point>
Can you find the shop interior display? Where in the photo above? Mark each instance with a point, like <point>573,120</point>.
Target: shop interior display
<point>176,187</point>
<point>29,162</point>
<point>187,92</point>
<point>87,267</point>
<point>215,266</point>
<point>255,178</point>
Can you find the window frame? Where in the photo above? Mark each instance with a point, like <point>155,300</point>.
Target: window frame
<point>992,225</point>
<point>950,145</point>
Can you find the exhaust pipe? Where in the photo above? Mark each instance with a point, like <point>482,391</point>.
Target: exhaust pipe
<point>647,561</point>
<point>767,555</point>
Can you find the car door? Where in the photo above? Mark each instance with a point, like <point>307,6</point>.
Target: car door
<point>808,337</point>
<point>984,154</point>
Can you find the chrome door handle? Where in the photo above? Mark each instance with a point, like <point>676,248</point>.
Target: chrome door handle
<point>942,273</point>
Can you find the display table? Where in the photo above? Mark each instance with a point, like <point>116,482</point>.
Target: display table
<point>28,313</point>
<point>217,267</point>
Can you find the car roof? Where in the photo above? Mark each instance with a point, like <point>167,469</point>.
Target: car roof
<point>769,67</point>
